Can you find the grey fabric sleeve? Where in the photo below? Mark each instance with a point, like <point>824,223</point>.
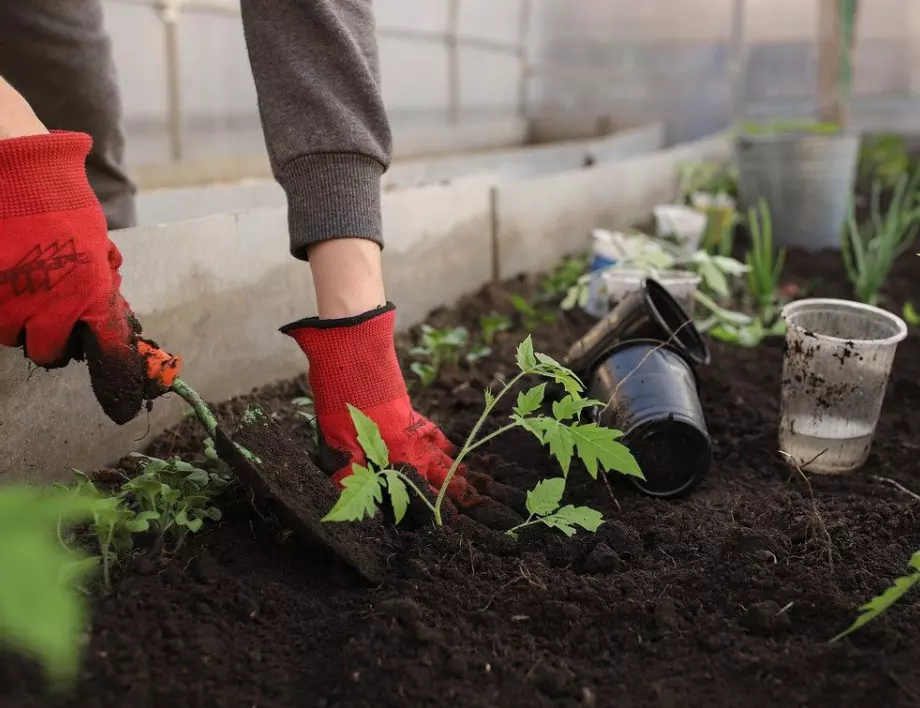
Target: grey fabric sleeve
<point>58,56</point>
<point>315,65</point>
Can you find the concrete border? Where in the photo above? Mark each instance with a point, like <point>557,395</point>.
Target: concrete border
<point>190,202</point>
<point>540,221</point>
<point>230,283</point>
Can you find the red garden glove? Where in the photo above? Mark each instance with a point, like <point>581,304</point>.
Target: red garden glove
<point>59,281</point>
<point>353,361</point>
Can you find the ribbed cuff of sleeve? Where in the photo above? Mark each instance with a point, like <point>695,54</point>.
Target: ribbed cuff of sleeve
<point>44,173</point>
<point>332,195</point>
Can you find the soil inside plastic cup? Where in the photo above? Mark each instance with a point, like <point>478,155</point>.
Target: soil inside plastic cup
<point>650,390</point>
<point>835,372</point>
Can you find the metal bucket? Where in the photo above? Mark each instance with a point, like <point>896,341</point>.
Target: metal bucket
<point>806,179</point>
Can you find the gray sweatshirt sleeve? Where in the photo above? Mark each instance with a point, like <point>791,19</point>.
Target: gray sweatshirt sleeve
<point>316,72</point>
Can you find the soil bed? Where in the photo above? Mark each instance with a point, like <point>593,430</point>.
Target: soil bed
<point>726,598</point>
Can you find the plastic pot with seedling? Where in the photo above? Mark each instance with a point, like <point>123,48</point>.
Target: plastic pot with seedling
<point>835,371</point>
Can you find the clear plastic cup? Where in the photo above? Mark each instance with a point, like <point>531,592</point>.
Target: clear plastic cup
<point>681,284</point>
<point>835,371</point>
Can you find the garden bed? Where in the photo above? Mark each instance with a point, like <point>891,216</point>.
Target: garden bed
<point>726,598</point>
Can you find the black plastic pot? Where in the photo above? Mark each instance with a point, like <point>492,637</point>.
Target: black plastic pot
<point>652,394</point>
<point>651,312</point>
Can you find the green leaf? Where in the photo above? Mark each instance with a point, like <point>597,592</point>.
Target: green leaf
<point>42,617</point>
<point>596,446</point>
<point>571,406</point>
<point>910,314</point>
<point>551,368</point>
<point>490,397</point>
<point>399,495</point>
<point>359,498</point>
<point>369,438</point>
<point>546,496</point>
<point>879,604</point>
<point>141,522</point>
<point>570,516</point>
<point>530,401</point>
<point>526,360</point>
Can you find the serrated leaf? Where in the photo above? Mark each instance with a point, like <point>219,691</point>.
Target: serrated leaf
<point>361,494</point>
<point>598,446</point>
<point>545,498</point>
<point>530,401</point>
<point>571,406</point>
<point>558,437</point>
<point>399,495</point>
<point>490,397</point>
<point>526,360</point>
<point>568,517</point>
<point>369,438</point>
<point>551,368</point>
<point>879,604</point>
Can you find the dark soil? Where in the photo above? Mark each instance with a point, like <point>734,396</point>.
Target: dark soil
<point>725,598</point>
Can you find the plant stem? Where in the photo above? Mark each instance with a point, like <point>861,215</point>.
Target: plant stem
<point>418,492</point>
<point>468,445</point>
<point>487,438</point>
<point>191,397</point>
<point>514,529</point>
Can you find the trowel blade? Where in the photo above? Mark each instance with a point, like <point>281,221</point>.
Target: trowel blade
<point>283,476</point>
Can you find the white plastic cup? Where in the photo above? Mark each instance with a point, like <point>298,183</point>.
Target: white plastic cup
<point>835,371</point>
<point>684,223</point>
<point>681,284</point>
<point>606,251</point>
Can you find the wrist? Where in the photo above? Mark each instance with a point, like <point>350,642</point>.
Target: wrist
<point>44,173</point>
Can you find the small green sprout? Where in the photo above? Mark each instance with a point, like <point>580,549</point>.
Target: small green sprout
<point>597,447</point>
<point>531,316</point>
<point>879,604</point>
<point>544,504</point>
<point>563,277</point>
<point>437,348</point>
<point>491,324</point>
<point>910,314</point>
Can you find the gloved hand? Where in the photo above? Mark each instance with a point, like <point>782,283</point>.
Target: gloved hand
<point>59,280</point>
<point>353,361</point>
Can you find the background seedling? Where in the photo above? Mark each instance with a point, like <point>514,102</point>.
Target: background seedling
<point>879,604</point>
<point>531,316</point>
<point>437,348</point>
<point>883,158</point>
<point>910,315</point>
<point>765,264</point>
<point>597,447</point>
<point>563,277</point>
<point>43,613</point>
<point>544,504</point>
<point>870,252</point>
<point>491,324</point>
<point>305,408</point>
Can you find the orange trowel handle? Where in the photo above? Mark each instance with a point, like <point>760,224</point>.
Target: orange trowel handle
<point>162,369</point>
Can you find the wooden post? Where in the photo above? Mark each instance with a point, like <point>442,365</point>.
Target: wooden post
<point>836,47</point>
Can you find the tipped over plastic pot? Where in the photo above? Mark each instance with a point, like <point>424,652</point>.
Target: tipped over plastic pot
<point>650,392</point>
<point>650,312</point>
<point>835,371</point>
